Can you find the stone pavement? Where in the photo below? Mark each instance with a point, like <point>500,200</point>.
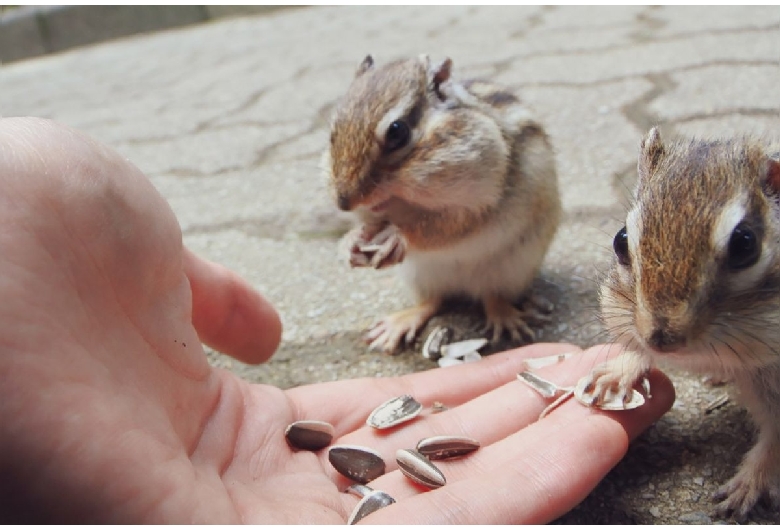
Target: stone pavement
<point>229,119</point>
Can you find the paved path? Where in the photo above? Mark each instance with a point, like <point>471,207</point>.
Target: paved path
<point>229,119</point>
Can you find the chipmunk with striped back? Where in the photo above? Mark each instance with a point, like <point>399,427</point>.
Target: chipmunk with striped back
<point>455,181</point>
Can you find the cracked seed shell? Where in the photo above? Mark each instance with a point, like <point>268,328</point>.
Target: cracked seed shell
<point>394,412</point>
<point>369,504</point>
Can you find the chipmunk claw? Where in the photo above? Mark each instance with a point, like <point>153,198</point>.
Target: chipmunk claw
<point>740,496</point>
<point>603,386</point>
<point>502,316</point>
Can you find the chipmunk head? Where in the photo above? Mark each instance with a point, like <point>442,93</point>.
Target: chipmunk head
<point>698,251</point>
<point>376,124</point>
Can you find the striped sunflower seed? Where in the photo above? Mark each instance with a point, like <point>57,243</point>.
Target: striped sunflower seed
<point>436,339</point>
<point>393,412</point>
<point>369,504</point>
<point>309,435</point>
<point>442,447</point>
<point>417,467</point>
<point>360,464</point>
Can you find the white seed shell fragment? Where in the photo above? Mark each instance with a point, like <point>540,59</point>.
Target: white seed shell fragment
<point>472,357</point>
<point>393,412</point>
<point>540,362</point>
<point>369,504</point>
<point>417,467</point>
<point>612,400</point>
<point>433,344</point>
<point>444,362</point>
<point>309,435</point>
<point>361,464</point>
<point>443,447</point>
<point>457,350</point>
<point>544,387</point>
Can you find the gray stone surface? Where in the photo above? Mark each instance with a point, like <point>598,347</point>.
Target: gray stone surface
<point>229,120</point>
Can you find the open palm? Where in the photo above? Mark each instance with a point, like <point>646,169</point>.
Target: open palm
<point>111,413</point>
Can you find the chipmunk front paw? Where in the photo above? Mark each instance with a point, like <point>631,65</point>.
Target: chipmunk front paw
<point>608,383</point>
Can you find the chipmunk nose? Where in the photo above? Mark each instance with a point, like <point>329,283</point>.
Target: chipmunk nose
<point>665,341</point>
<point>344,202</point>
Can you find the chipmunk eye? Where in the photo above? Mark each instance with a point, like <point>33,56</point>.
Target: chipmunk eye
<point>620,244</point>
<point>397,136</point>
<point>744,248</point>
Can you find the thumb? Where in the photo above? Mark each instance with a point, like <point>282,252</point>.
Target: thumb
<point>228,314</point>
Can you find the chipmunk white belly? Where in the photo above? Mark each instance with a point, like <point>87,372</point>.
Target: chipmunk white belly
<point>500,259</point>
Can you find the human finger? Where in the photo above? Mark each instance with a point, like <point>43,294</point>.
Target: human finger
<point>228,314</point>
<point>347,404</point>
<point>531,476</point>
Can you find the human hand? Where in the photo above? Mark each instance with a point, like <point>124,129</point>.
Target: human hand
<point>111,413</point>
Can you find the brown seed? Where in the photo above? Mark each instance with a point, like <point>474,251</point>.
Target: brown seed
<point>417,467</point>
<point>393,412</point>
<point>369,504</point>
<point>442,447</point>
<point>309,435</point>
<point>361,464</point>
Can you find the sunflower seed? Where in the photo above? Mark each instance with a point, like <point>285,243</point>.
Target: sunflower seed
<point>459,349</point>
<point>611,401</point>
<point>417,467</point>
<point>369,504</point>
<point>361,464</point>
<point>436,339</point>
<point>393,412</point>
<point>309,435</point>
<point>543,386</point>
<point>442,447</point>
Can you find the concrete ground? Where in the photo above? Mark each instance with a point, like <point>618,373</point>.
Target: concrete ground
<point>229,119</point>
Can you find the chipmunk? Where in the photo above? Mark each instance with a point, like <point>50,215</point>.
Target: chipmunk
<point>696,282</point>
<point>453,180</point>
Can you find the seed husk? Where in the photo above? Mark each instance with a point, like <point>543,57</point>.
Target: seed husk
<point>436,339</point>
<point>360,464</point>
<point>438,407</point>
<point>369,504</point>
<point>393,412</point>
<point>309,435</point>
<point>417,467</point>
<point>446,362</point>
<point>443,447</point>
<point>459,349</point>
<point>544,387</point>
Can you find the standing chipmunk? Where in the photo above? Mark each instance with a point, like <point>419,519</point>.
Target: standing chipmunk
<point>696,282</point>
<point>453,180</point>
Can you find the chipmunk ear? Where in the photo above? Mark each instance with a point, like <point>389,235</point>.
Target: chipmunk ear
<point>651,152</point>
<point>772,177</point>
<point>366,65</point>
<point>437,74</point>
